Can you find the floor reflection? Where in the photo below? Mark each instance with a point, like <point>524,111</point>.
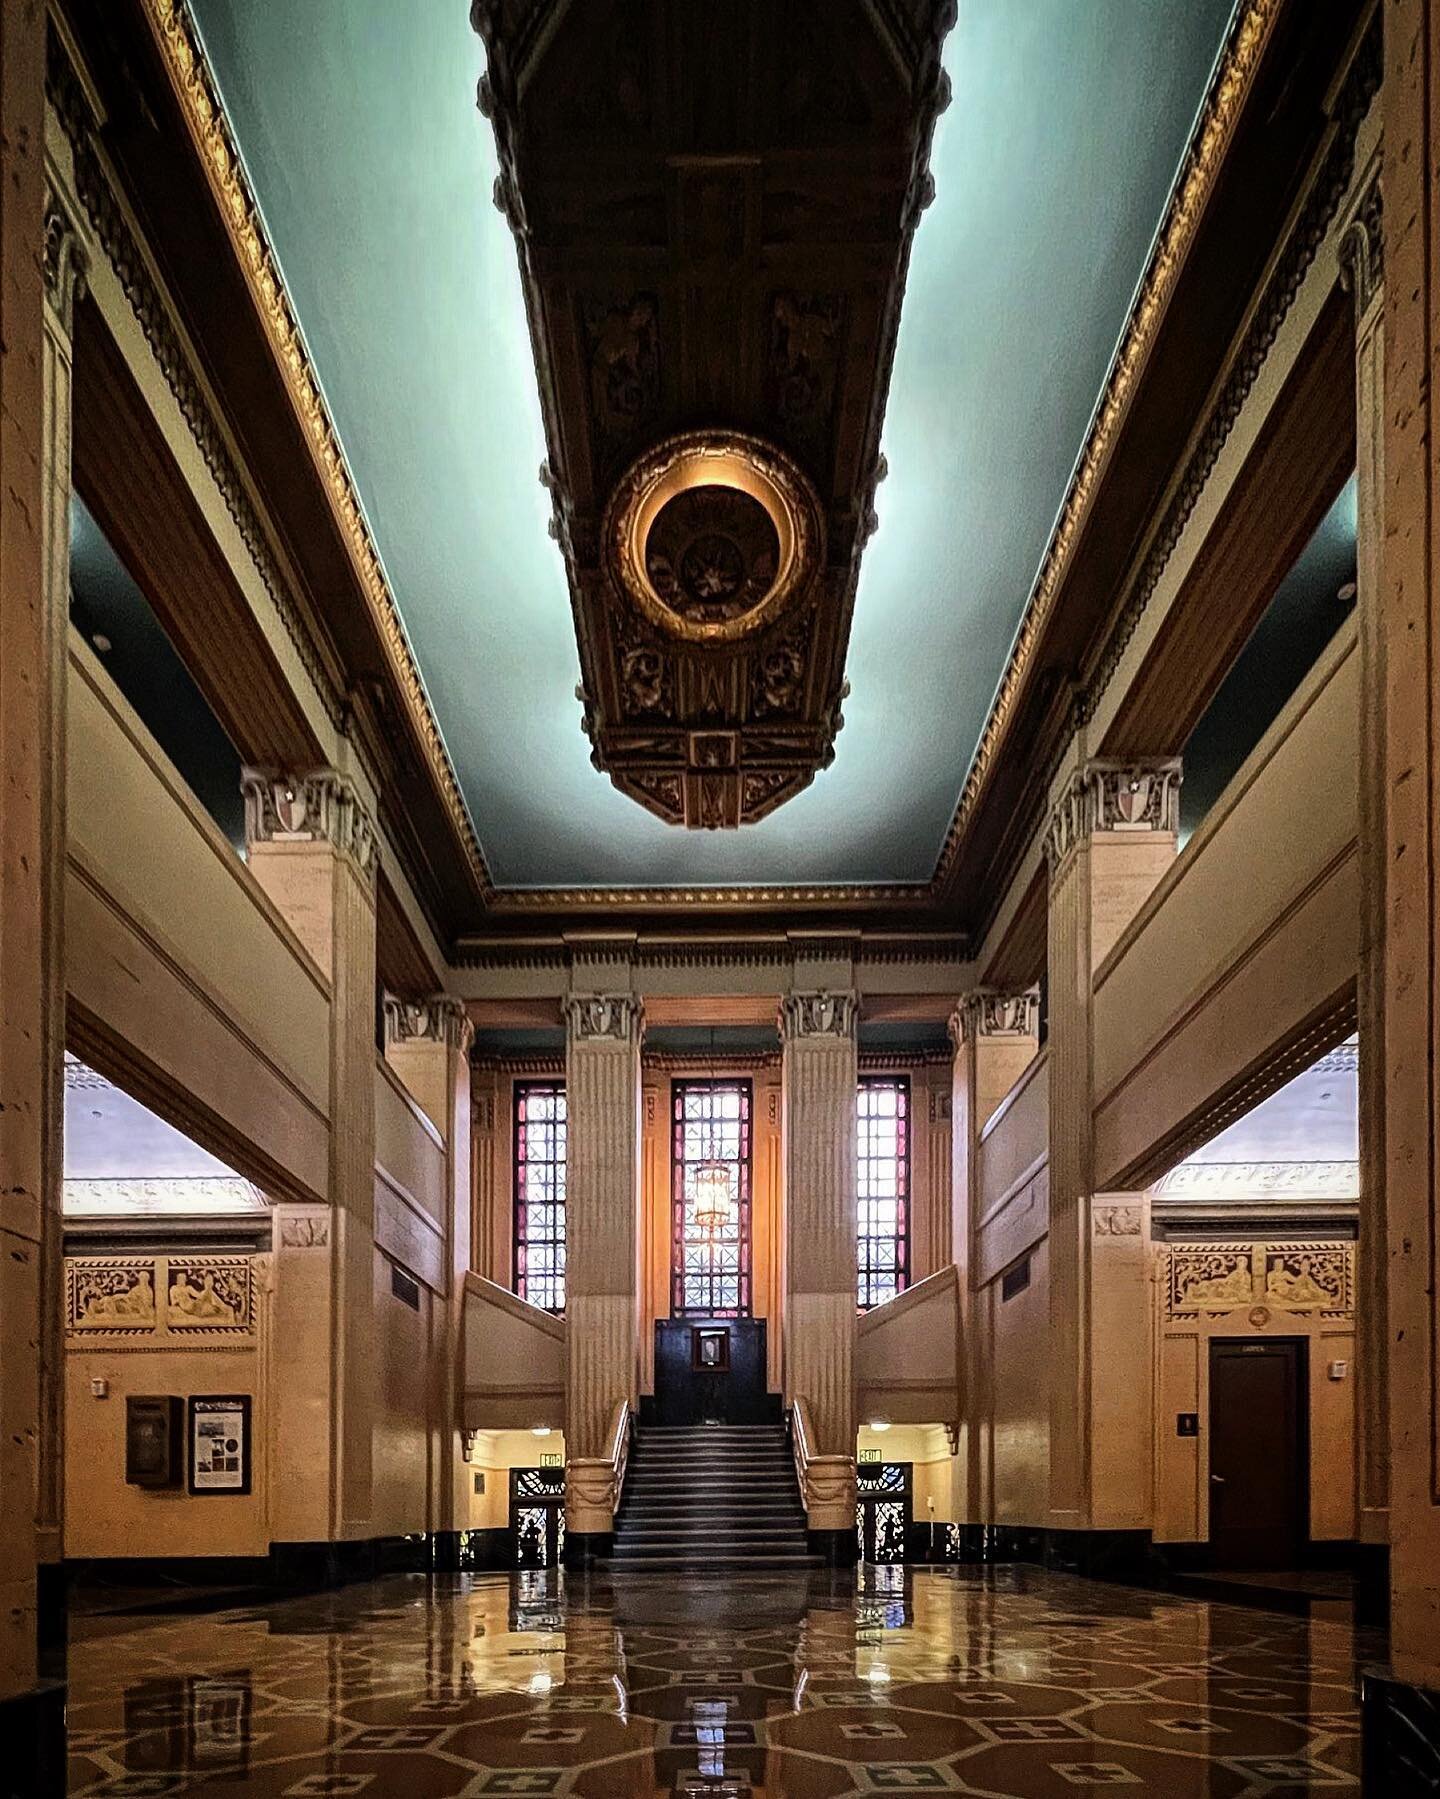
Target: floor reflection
<point>994,1682</point>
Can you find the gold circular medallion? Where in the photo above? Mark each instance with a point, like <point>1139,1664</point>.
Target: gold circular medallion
<point>713,534</point>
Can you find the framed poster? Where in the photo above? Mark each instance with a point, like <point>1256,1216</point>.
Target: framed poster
<point>220,1443</point>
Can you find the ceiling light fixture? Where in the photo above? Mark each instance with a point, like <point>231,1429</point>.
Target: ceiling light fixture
<point>879,1424</point>
<point>539,1430</point>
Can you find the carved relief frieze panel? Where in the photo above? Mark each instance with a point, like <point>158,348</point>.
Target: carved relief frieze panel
<point>1211,1279</point>
<point>713,209</point>
<point>153,1301</point>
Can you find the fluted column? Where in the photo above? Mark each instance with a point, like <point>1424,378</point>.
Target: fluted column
<point>312,847</point>
<point>1363,270</point>
<point>995,1035</point>
<point>818,1078</point>
<point>1112,835</point>
<point>602,1204</point>
<point>427,1043</point>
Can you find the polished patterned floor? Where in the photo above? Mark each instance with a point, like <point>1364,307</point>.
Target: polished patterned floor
<point>1000,1682</point>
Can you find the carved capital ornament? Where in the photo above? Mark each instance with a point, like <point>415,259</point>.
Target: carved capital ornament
<point>990,1012</point>
<point>441,1019</point>
<point>1121,797</point>
<point>319,806</point>
<point>604,1018</point>
<point>818,1015</point>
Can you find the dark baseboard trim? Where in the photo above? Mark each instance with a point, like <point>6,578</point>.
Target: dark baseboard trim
<point>472,1551</point>
<point>32,1729</point>
<point>1400,1737</point>
<point>586,1549</point>
<point>1120,1555</point>
<point>52,1620</point>
<point>836,1548</point>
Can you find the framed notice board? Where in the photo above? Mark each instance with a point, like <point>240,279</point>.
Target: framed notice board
<point>219,1442</point>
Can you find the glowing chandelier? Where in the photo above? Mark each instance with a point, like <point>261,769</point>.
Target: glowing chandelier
<point>711,1203</point>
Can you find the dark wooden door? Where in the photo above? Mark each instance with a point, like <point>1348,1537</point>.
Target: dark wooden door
<point>730,1389</point>
<point>1259,1474</point>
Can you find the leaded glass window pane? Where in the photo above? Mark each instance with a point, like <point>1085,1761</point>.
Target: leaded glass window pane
<point>540,1193</point>
<point>882,1177</point>
<point>710,1167</point>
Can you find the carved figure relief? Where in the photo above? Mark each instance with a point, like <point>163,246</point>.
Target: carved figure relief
<point>304,1233</point>
<point>156,1297</point>
<point>1291,1277</point>
<point>1116,1221</point>
<point>110,1294</point>
<point>600,1017</point>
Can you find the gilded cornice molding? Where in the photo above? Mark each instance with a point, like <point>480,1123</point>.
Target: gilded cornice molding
<point>319,806</point>
<point>778,951</point>
<point>1297,254</point>
<point>820,1015</point>
<point>1126,798</point>
<point>604,1018</point>
<point>441,1019</point>
<point>195,88</point>
<point>155,315</point>
<point>535,1067</point>
<point>1228,89</point>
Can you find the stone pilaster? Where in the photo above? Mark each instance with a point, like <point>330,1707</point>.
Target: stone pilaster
<point>312,846</point>
<point>1362,262</point>
<point>819,1077</point>
<point>1112,835</point>
<point>492,1219</point>
<point>1410,628</point>
<point>29,929</point>
<point>427,1043</point>
<point>995,1036</point>
<point>66,262</point>
<point>602,1203</point>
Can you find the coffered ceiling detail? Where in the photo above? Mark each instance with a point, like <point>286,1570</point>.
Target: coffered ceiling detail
<point>713,208</point>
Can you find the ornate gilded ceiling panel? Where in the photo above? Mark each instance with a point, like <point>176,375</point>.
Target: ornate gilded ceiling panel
<point>713,208</point>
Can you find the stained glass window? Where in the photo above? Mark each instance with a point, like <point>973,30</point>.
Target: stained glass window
<point>540,1193</point>
<point>882,1171</point>
<point>710,1198</point>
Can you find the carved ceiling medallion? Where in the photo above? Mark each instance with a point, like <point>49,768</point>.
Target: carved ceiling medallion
<point>712,536</point>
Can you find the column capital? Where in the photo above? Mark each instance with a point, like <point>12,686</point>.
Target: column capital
<point>604,1018</point>
<point>67,260</point>
<point>440,1019</point>
<point>1362,240</point>
<point>819,1015</point>
<point>992,1012</point>
<point>1128,797</point>
<point>318,805</point>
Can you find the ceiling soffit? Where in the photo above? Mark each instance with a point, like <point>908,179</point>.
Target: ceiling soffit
<point>713,209</point>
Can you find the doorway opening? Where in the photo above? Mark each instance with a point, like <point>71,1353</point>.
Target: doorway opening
<point>1259,1452</point>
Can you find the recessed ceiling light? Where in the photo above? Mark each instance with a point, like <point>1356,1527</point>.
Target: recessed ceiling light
<point>101,642</point>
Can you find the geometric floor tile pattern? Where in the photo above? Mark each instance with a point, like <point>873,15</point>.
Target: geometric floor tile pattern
<point>1006,1683</point>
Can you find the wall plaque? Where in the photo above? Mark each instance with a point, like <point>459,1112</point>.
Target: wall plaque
<point>220,1443</point>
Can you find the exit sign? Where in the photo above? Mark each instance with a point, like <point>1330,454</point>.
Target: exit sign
<point>869,1455</point>
<point>552,1460</point>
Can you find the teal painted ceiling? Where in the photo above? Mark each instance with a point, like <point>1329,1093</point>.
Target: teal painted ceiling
<point>373,169</point>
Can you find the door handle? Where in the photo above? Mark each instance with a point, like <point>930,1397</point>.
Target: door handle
<point>1217,1480</point>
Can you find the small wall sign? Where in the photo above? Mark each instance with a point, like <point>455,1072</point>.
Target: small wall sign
<point>552,1460</point>
<point>869,1455</point>
<point>1187,1424</point>
<point>220,1443</point>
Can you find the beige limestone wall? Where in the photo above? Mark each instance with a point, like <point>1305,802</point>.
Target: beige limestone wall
<point>144,841</point>
<point>405,1345</point>
<point>1015,1411</point>
<point>409,1147</point>
<point>106,1518</point>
